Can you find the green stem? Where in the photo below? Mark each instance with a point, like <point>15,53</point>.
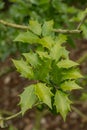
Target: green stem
<point>13,116</point>
<point>82,59</point>
<point>39,115</point>
<point>79,113</point>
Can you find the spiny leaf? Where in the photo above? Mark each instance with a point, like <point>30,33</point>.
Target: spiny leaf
<point>62,103</point>
<point>32,58</point>
<point>28,98</point>
<point>61,39</point>
<point>66,63</point>
<point>71,74</point>
<point>42,71</point>
<point>69,85</point>
<point>27,37</point>
<point>35,26</point>
<point>58,52</point>
<point>47,28</point>
<point>46,41</point>
<point>43,54</point>
<point>22,67</point>
<point>44,93</point>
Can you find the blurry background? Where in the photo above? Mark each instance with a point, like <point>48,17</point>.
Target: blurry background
<point>66,15</point>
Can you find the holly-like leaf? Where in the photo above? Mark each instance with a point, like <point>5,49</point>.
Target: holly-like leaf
<point>66,63</point>
<point>61,39</point>
<point>27,37</point>
<point>58,52</point>
<point>44,93</point>
<point>22,67</point>
<point>47,28</point>
<point>42,71</point>
<point>71,74</point>
<point>35,26</point>
<point>62,103</point>
<point>32,58</point>
<point>69,85</point>
<point>46,41</point>
<point>28,98</point>
<point>43,54</point>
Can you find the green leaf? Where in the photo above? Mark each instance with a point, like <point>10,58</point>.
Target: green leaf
<point>58,52</point>
<point>28,98</point>
<point>62,103</point>
<point>69,85</point>
<point>61,39</point>
<point>47,28</point>
<point>32,59</point>
<point>42,71</point>
<point>27,37</point>
<point>35,26</point>
<point>44,93</point>
<point>22,67</point>
<point>46,41</point>
<point>55,74</point>
<point>43,54</point>
<point>66,63</point>
<point>71,74</point>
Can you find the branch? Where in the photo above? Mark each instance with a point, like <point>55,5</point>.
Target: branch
<point>14,25</point>
<point>13,116</point>
<point>67,31</point>
<point>80,113</point>
<point>27,28</point>
<point>82,21</point>
<point>82,59</point>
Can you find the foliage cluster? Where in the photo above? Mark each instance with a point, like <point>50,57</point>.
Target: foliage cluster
<point>64,13</point>
<point>49,65</point>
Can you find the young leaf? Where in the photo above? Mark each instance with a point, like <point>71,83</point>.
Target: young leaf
<point>32,58</point>
<point>22,67</point>
<point>58,52</point>
<point>69,85</point>
<point>46,41</point>
<point>42,71</point>
<point>47,28</point>
<point>66,63</point>
<point>28,98</point>
<point>27,37</point>
<point>71,74</point>
<point>44,94</point>
<point>62,103</point>
<point>43,55</point>
<point>35,26</point>
<point>55,52</point>
<point>61,39</point>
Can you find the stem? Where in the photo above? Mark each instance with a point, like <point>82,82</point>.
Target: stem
<point>67,31</point>
<point>82,58</point>
<point>13,116</point>
<point>5,112</point>
<point>39,115</point>
<point>27,28</point>
<point>80,113</point>
<point>14,25</point>
<point>82,21</point>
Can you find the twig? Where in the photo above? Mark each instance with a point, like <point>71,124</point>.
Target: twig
<point>82,21</point>
<point>82,58</point>
<point>5,112</point>
<point>27,28</point>
<point>80,113</point>
<point>13,116</point>
<point>14,25</point>
<point>67,31</point>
